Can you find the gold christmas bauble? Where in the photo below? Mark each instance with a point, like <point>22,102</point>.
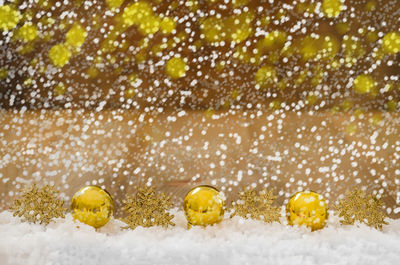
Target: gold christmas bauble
<point>92,205</point>
<point>204,205</point>
<point>307,208</point>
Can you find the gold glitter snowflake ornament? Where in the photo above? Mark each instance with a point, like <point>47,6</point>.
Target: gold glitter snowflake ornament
<point>257,206</point>
<point>147,208</point>
<point>39,205</point>
<point>357,206</point>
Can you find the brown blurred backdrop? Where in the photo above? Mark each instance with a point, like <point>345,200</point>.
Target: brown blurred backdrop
<point>113,117</point>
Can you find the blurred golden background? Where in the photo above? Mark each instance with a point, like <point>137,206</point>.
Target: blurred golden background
<point>283,94</point>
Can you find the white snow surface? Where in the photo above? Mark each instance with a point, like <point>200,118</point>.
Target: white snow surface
<point>233,241</point>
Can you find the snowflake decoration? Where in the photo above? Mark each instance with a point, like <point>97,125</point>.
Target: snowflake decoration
<point>257,205</point>
<point>39,205</point>
<point>357,206</point>
<point>147,209</point>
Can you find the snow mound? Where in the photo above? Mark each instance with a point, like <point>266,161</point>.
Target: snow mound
<point>234,241</point>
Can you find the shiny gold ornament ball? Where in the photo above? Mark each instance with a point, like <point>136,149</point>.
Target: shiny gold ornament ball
<point>203,206</point>
<point>92,205</point>
<point>307,208</point>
